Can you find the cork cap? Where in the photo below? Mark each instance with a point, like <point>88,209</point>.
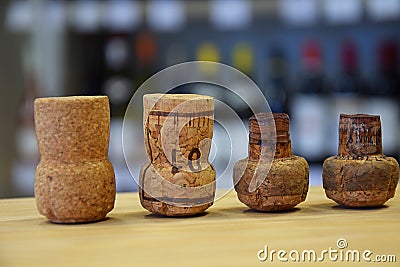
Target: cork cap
<point>359,135</point>
<point>164,104</point>
<point>282,127</point>
<point>268,123</point>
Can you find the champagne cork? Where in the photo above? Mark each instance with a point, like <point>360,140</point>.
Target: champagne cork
<point>178,180</point>
<point>74,181</point>
<point>360,175</point>
<point>286,183</point>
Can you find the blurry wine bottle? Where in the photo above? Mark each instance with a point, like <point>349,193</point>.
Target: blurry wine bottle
<point>312,80</point>
<point>347,90</point>
<point>277,80</point>
<point>348,81</point>
<point>145,57</point>
<point>386,83</point>
<point>207,51</point>
<point>384,95</point>
<point>309,106</point>
<point>242,59</point>
<point>118,78</point>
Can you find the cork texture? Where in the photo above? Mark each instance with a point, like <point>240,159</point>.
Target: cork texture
<point>366,182</point>
<point>286,183</point>
<point>178,180</point>
<point>74,181</point>
<point>360,175</point>
<point>359,135</point>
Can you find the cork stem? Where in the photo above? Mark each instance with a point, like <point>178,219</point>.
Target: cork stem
<point>283,143</point>
<point>359,135</point>
<point>258,144</point>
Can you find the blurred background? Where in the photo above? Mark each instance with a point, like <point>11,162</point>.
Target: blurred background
<point>313,59</point>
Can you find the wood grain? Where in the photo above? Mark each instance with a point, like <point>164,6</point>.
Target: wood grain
<point>229,234</point>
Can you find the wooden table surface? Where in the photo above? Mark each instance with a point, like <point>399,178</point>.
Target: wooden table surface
<point>229,234</point>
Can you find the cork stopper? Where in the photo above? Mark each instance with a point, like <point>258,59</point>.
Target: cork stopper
<point>280,185</point>
<point>359,135</point>
<point>179,180</point>
<point>74,181</point>
<point>267,123</point>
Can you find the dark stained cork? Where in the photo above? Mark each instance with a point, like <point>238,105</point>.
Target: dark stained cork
<point>74,181</point>
<point>286,182</point>
<point>359,135</point>
<point>360,175</point>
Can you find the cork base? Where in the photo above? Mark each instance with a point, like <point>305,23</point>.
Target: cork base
<point>285,186</point>
<point>183,193</point>
<point>158,207</point>
<point>270,203</point>
<point>367,182</point>
<point>358,199</point>
<point>75,193</point>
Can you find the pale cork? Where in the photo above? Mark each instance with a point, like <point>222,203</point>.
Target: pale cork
<point>178,180</point>
<point>74,181</point>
